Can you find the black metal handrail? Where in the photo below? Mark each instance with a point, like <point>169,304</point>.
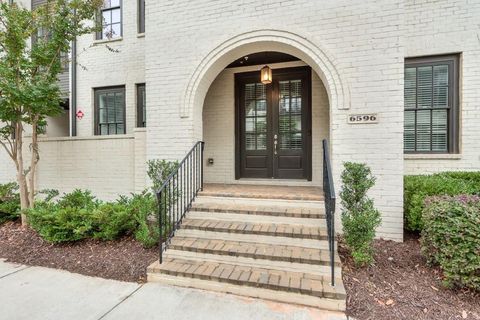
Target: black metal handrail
<point>177,193</point>
<point>329,194</point>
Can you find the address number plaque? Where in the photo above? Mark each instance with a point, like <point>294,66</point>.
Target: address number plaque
<point>362,118</point>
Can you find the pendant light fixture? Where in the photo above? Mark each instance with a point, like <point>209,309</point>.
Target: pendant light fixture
<point>266,75</point>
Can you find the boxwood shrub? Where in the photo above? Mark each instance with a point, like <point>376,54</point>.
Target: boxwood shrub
<point>79,215</point>
<point>451,238</point>
<point>417,188</point>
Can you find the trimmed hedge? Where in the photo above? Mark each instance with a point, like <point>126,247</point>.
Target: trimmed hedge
<point>79,215</point>
<point>417,188</point>
<point>451,238</point>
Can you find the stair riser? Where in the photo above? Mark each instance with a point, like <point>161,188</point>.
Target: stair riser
<point>260,212</point>
<point>252,255</point>
<point>225,279</point>
<point>261,233</point>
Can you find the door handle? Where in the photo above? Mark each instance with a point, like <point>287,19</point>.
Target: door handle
<point>275,143</point>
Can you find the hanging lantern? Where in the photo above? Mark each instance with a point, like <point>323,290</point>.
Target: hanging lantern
<point>266,75</point>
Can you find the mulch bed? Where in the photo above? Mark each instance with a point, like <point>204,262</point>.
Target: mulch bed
<point>400,285</point>
<point>124,259</point>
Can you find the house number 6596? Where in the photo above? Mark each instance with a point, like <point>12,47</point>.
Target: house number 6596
<point>362,118</point>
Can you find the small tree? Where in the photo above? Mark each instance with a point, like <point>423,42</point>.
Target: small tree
<point>359,216</point>
<point>28,75</point>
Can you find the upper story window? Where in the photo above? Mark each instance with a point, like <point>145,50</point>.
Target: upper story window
<point>141,16</point>
<point>431,105</point>
<point>110,18</point>
<point>141,106</point>
<point>110,111</point>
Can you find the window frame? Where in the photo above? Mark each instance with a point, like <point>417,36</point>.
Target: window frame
<point>96,94</point>
<point>453,132</point>
<point>141,17</point>
<point>140,108</point>
<point>99,34</point>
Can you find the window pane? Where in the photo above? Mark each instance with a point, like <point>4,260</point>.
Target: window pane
<point>440,75</point>
<point>423,130</point>
<point>107,17</point>
<point>250,141</point>
<point>296,123</point>
<point>261,125</point>
<point>120,128</point>
<point>116,30</point>
<point>439,130</point>
<point>115,15</point>
<point>440,97</point>
<point>425,97</point>
<point>250,91</point>
<point>410,77</point>
<point>114,3</point>
<point>262,108</point>
<point>410,97</point>
<point>409,132</point>
<point>104,129</point>
<point>262,142</point>
<point>261,92</point>
<point>250,108</point>
<point>249,124</point>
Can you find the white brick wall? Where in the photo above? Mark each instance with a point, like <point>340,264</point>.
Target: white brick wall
<point>449,26</point>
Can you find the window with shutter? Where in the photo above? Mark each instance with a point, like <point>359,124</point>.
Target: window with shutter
<point>110,111</point>
<point>431,105</point>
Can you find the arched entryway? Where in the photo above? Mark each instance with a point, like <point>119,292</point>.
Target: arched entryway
<point>215,99</point>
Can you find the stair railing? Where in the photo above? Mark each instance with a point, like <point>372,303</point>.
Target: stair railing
<point>329,195</point>
<point>177,193</point>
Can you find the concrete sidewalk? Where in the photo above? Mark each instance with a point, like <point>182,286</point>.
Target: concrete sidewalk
<point>49,294</point>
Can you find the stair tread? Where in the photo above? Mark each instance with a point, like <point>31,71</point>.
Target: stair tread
<point>254,250</point>
<point>295,282</point>
<point>259,209</point>
<point>273,229</point>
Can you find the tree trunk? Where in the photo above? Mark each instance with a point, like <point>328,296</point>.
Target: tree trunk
<point>33,165</point>
<point>21,176</point>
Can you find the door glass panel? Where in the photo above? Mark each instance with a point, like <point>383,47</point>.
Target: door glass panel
<point>290,115</point>
<point>255,116</point>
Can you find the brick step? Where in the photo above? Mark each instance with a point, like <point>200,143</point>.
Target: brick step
<point>292,282</point>
<point>263,192</point>
<point>235,217</point>
<point>254,238</point>
<point>268,229</point>
<point>253,250</point>
<point>252,208</point>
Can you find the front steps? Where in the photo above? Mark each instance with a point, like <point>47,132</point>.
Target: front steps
<point>262,248</point>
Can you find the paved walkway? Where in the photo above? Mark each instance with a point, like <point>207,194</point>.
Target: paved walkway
<point>49,294</point>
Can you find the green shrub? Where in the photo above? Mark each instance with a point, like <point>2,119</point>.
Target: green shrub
<point>143,208</point>
<point>359,216</point>
<point>417,188</point>
<point>159,170</point>
<point>79,215</point>
<point>112,220</point>
<point>9,202</point>
<point>59,224</point>
<point>451,238</point>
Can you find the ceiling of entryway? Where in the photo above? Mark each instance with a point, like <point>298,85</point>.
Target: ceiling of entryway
<point>266,57</point>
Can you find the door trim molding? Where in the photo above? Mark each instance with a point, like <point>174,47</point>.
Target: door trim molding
<point>307,72</point>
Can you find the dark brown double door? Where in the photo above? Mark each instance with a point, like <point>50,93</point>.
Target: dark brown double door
<point>273,125</point>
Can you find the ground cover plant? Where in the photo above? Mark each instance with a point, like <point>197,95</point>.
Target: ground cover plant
<point>9,202</point>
